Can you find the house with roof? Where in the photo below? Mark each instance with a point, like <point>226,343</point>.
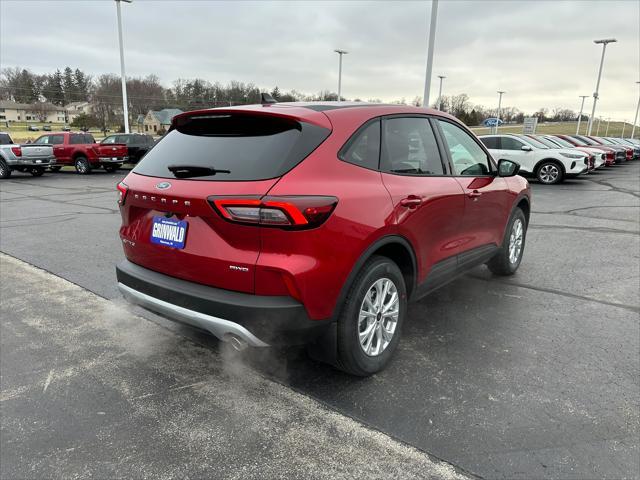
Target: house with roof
<point>159,120</point>
<point>11,111</point>
<point>74,109</point>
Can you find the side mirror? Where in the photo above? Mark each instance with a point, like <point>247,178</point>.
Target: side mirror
<point>507,168</point>
<point>526,148</point>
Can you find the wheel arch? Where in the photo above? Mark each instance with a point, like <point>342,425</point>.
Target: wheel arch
<point>553,160</point>
<point>396,248</point>
<point>524,204</point>
<point>79,153</point>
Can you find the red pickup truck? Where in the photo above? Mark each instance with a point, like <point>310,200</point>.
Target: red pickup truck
<point>81,150</point>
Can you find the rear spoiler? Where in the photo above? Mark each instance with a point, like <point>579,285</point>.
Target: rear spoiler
<point>297,113</point>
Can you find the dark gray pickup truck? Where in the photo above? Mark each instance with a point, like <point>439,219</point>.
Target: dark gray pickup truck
<point>23,158</point>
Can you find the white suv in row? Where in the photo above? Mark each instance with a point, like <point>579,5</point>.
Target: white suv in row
<point>548,165</point>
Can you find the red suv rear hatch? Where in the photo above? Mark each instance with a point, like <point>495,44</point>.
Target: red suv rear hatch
<point>169,222</point>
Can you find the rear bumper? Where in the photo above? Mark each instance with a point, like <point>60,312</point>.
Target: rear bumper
<point>258,320</point>
<point>113,159</point>
<point>33,162</point>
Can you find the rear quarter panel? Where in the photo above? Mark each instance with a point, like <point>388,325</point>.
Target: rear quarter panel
<point>319,260</point>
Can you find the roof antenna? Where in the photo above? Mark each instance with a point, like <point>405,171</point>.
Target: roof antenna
<point>267,99</point>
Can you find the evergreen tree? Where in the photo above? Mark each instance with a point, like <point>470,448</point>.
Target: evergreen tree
<point>275,93</point>
<point>69,86</point>
<point>81,83</point>
<point>53,90</point>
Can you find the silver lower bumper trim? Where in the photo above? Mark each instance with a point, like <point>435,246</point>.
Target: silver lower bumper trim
<point>217,326</point>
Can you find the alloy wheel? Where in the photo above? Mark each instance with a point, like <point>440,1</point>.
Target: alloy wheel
<point>549,173</point>
<point>515,241</point>
<point>378,317</point>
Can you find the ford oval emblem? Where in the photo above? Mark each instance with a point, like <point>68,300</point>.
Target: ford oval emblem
<point>163,185</point>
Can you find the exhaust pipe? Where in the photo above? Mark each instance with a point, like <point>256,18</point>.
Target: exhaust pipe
<point>236,342</point>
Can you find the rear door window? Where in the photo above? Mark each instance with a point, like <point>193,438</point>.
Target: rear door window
<point>56,139</point>
<point>231,147</point>
<point>509,143</point>
<point>492,143</point>
<point>409,147</point>
<point>77,139</point>
<point>5,139</point>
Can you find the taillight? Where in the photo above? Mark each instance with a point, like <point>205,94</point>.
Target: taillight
<point>122,192</point>
<point>17,151</point>
<point>289,212</point>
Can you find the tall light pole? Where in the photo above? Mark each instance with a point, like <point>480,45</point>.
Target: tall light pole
<point>341,53</point>
<point>441,77</point>
<point>125,107</point>
<point>500,92</point>
<point>604,43</point>
<point>635,119</point>
<point>432,39</point>
<point>580,116</point>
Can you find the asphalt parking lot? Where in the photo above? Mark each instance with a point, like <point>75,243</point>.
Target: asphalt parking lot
<point>535,376</point>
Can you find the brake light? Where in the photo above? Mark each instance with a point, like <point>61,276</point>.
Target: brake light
<point>122,192</point>
<point>17,151</point>
<point>289,212</point>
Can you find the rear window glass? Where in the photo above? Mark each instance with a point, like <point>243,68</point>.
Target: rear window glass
<point>79,139</point>
<point>231,147</point>
<point>5,139</point>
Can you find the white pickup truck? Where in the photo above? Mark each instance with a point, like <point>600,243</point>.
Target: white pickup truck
<point>24,158</point>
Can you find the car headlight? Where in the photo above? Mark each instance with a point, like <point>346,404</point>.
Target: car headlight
<point>571,155</point>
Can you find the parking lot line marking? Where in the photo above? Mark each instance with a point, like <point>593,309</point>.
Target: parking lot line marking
<point>48,381</point>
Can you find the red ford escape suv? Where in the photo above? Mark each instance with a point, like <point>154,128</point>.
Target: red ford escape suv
<point>314,223</point>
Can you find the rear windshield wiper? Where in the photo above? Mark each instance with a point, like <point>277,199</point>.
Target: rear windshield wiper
<point>190,171</point>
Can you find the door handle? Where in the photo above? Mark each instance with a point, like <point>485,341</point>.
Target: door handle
<point>411,201</point>
<point>474,194</point>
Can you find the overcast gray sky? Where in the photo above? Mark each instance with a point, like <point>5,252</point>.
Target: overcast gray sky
<point>540,52</point>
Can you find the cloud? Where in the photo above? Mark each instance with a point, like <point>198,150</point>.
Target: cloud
<point>540,52</point>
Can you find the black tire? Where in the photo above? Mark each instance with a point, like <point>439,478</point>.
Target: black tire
<point>351,354</point>
<point>55,168</point>
<point>37,172</point>
<point>501,264</point>
<point>5,171</point>
<point>83,167</point>
<point>549,172</point>
<point>112,168</point>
